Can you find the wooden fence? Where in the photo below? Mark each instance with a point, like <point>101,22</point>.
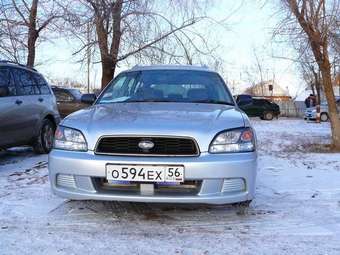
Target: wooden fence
<point>291,108</point>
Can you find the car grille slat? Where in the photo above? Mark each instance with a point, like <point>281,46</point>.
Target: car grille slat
<point>172,146</point>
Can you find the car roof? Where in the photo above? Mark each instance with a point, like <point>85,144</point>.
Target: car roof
<point>53,87</point>
<point>13,64</point>
<point>170,67</point>
<point>61,88</point>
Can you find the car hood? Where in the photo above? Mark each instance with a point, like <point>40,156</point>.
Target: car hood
<point>200,121</point>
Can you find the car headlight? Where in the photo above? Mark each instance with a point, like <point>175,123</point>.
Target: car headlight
<point>236,140</point>
<point>314,111</point>
<point>69,139</point>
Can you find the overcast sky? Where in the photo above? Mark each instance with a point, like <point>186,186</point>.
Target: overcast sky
<point>250,26</point>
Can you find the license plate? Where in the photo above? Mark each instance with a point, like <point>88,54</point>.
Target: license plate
<point>144,173</point>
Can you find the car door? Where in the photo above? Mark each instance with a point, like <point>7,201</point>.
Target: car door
<point>251,108</point>
<point>13,122</point>
<point>65,102</point>
<point>28,97</point>
<point>45,99</point>
<point>259,107</point>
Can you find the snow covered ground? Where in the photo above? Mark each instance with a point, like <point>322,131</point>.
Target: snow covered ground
<point>296,210</point>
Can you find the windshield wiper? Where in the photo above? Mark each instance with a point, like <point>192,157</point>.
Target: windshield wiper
<point>210,101</point>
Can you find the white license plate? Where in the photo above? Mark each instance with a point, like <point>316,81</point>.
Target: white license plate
<point>144,173</point>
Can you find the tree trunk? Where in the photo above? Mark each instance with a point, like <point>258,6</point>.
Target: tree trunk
<point>109,57</point>
<point>312,86</point>
<point>32,38</point>
<point>32,34</point>
<point>317,88</point>
<point>108,70</point>
<point>320,52</point>
<point>117,33</point>
<point>319,46</point>
<point>332,109</point>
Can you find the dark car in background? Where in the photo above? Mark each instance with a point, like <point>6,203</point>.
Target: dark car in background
<point>68,100</point>
<point>258,107</point>
<point>28,109</point>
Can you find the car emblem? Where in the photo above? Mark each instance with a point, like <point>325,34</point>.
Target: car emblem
<point>146,145</point>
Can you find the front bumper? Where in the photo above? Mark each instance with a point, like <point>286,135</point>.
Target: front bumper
<point>310,115</point>
<point>216,173</point>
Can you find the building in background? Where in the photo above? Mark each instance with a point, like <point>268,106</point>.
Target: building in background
<point>269,90</point>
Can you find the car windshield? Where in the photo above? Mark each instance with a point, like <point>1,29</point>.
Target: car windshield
<point>167,86</point>
<point>76,93</point>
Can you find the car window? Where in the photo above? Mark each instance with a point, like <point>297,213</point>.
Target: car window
<point>244,100</point>
<point>259,102</point>
<point>76,93</point>
<point>6,81</point>
<point>41,84</point>
<point>256,102</point>
<point>26,85</point>
<point>115,91</point>
<point>167,86</point>
<point>62,96</point>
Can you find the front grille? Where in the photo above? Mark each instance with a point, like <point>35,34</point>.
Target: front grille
<point>163,146</point>
<point>189,188</point>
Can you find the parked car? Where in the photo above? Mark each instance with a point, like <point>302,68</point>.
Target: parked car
<point>310,112</point>
<point>28,108</point>
<point>258,107</point>
<point>157,134</point>
<point>68,100</point>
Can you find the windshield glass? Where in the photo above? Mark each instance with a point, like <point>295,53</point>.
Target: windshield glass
<point>76,93</point>
<point>167,86</point>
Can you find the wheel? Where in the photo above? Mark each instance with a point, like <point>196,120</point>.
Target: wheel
<point>268,116</point>
<point>44,142</point>
<point>243,204</point>
<point>242,207</point>
<point>324,117</point>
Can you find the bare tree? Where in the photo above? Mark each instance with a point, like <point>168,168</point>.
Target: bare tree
<point>309,69</point>
<point>122,29</point>
<point>258,71</point>
<point>312,23</point>
<point>21,24</point>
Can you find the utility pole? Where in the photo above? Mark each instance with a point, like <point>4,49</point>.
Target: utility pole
<point>88,53</point>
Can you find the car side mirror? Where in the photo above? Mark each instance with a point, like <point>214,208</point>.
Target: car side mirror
<point>88,98</point>
<point>4,91</point>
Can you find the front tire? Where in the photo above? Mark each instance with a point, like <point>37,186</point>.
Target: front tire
<point>268,116</point>
<point>244,204</point>
<point>324,117</point>
<point>44,142</point>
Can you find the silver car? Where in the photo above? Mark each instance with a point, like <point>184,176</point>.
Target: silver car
<point>311,112</point>
<point>28,108</point>
<point>157,134</point>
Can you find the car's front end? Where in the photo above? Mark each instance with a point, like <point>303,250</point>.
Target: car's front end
<point>173,152</point>
<point>310,113</point>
